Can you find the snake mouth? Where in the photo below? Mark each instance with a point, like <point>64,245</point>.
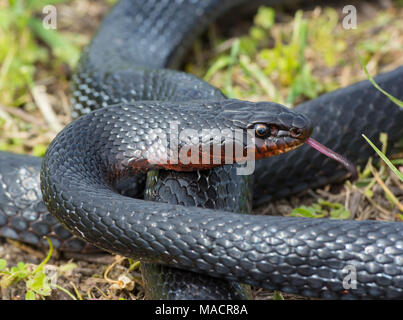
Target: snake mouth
<point>275,146</point>
<point>281,140</point>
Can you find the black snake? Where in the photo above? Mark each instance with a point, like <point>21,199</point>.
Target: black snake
<point>89,173</point>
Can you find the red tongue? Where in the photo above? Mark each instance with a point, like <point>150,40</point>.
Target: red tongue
<point>333,155</point>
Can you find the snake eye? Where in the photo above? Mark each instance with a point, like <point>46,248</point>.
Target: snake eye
<point>262,130</point>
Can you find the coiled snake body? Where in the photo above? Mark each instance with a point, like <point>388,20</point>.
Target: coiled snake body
<point>91,162</point>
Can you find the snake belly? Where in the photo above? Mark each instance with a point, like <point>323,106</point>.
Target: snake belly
<point>293,255</point>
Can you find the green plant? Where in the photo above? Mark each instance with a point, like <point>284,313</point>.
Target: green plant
<point>397,102</point>
<point>322,209</point>
<point>21,52</point>
<point>273,62</point>
<point>37,282</point>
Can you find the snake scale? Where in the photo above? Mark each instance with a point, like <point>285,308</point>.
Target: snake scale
<point>96,165</point>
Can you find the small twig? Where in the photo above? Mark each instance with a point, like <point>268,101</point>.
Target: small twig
<point>387,191</point>
<point>101,258</point>
<point>224,46</point>
<point>67,292</point>
<point>373,203</point>
<point>365,214</point>
<point>101,292</point>
<point>397,182</point>
<point>110,267</point>
<point>26,248</point>
<point>65,104</point>
<point>328,195</point>
<point>4,114</point>
<point>397,156</point>
<point>22,115</point>
<point>347,201</point>
<point>41,99</point>
<point>76,291</point>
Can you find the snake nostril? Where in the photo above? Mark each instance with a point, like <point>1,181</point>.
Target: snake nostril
<point>295,132</point>
<point>273,130</point>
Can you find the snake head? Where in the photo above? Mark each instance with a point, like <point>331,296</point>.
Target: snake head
<point>268,128</point>
<point>211,134</point>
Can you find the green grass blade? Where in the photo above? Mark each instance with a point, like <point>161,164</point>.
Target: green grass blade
<point>46,260</point>
<point>397,162</point>
<point>384,158</point>
<point>392,98</point>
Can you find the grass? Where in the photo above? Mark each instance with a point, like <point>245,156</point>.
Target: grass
<point>24,45</point>
<point>281,58</point>
<point>285,63</point>
<point>30,55</point>
<point>392,98</point>
<point>384,158</point>
<point>388,193</point>
<point>38,283</point>
<point>286,60</point>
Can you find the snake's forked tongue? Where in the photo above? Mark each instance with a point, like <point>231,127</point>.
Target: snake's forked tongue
<point>335,156</point>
